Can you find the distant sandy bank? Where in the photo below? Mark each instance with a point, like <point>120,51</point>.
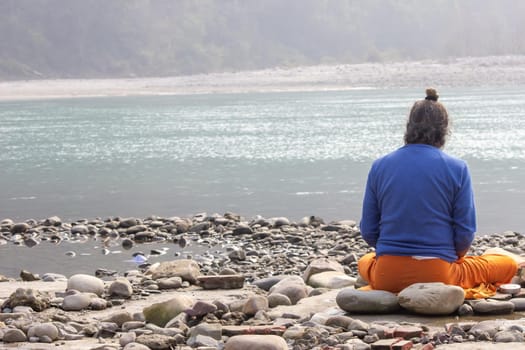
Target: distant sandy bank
<point>473,71</point>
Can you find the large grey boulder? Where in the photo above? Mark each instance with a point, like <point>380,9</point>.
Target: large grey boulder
<point>431,298</point>
<point>367,302</point>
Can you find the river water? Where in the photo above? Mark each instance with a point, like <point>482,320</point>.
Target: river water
<point>275,154</point>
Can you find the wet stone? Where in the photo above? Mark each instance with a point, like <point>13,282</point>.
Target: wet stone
<point>28,276</point>
<point>79,230</point>
<point>242,230</point>
<point>20,228</point>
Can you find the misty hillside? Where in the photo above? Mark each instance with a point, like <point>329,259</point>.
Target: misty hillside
<point>128,38</point>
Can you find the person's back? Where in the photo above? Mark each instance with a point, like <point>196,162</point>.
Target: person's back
<point>419,215</point>
<point>425,202</point>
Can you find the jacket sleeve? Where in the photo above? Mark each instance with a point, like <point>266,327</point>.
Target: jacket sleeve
<point>371,216</point>
<point>464,214</point>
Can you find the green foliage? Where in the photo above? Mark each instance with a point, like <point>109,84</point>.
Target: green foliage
<point>121,38</point>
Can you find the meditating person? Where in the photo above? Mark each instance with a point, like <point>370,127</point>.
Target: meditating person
<point>419,214</point>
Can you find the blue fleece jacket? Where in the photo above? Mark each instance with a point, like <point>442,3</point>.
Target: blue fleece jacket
<point>418,202</point>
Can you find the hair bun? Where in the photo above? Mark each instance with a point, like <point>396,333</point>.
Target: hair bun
<point>431,94</point>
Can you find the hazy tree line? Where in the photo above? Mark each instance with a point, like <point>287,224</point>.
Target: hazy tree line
<point>122,38</point>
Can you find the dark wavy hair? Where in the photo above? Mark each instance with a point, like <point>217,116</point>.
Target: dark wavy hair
<point>428,122</point>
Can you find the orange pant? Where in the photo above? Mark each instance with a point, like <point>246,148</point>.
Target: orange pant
<point>394,273</point>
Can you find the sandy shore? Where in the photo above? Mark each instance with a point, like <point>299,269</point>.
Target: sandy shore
<point>473,71</point>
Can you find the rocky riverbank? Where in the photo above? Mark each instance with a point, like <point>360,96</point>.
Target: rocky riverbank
<point>261,283</point>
